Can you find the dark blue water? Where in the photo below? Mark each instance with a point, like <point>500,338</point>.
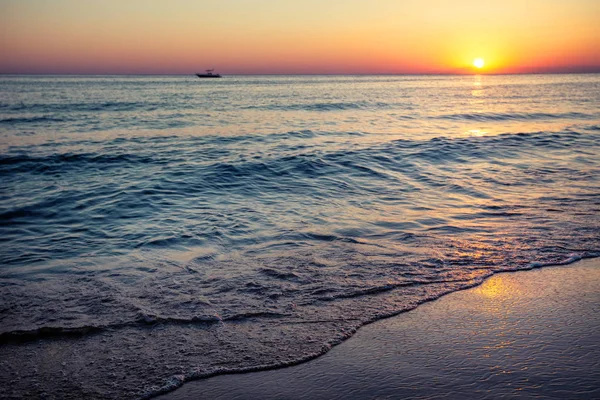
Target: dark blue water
<point>269,217</point>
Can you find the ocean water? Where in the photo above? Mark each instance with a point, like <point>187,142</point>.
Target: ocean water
<point>156,229</point>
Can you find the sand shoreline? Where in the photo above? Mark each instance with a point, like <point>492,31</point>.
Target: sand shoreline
<point>519,334</point>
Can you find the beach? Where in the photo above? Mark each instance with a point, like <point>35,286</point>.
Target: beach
<point>529,334</point>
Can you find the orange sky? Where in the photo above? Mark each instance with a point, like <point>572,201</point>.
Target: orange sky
<point>290,36</point>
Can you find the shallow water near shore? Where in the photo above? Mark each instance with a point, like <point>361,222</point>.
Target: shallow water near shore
<point>520,335</point>
<point>170,228</point>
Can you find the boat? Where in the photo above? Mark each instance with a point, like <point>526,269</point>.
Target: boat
<point>208,74</point>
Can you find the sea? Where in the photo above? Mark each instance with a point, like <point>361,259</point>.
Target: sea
<point>159,229</point>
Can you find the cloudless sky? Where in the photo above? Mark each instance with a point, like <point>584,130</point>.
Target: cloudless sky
<point>292,36</point>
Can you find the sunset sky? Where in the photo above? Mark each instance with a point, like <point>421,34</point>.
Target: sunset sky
<point>290,36</point>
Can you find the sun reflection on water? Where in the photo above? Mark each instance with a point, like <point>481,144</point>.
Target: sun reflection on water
<point>496,288</point>
<point>476,132</point>
<point>478,88</point>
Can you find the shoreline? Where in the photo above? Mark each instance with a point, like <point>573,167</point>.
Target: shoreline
<point>329,375</point>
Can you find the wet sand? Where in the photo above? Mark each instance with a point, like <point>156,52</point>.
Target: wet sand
<point>518,335</point>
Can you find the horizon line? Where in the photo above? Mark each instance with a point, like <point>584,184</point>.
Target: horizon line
<point>593,71</point>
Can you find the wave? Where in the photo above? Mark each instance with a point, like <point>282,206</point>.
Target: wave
<point>61,162</point>
<point>55,332</point>
<point>482,117</point>
<point>103,106</point>
<point>31,120</point>
<point>143,320</point>
<point>444,149</point>
<point>441,148</point>
<point>322,107</point>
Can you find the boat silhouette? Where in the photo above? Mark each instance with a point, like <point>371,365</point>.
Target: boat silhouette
<point>208,74</point>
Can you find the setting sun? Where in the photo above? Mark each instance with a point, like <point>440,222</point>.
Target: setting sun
<point>478,62</point>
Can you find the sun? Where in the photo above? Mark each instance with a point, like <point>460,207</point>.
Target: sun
<point>478,62</point>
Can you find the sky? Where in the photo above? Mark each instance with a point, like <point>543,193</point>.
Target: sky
<point>298,37</point>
